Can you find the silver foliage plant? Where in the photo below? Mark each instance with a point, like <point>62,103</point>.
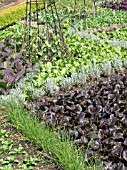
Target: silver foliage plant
<point>77,79</point>
<point>51,87</point>
<point>66,83</point>
<point>38,92</point>
<point>118,64</point>
<point>18,93</point>
<point>107,68</point>
<point>125,64</point>
<point>15,94</point>
<point>92,71</point>
<point>87,35</point>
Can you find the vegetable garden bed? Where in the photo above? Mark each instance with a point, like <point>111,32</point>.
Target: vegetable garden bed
<point>95,116</point>
<point>82,97</point>
<point>18,152</point>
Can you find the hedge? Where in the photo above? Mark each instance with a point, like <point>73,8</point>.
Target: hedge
<point>13,14</point>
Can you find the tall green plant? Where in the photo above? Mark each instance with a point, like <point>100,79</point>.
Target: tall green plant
<point>64,151</point>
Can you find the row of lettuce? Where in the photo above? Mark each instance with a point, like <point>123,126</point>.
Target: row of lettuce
<point>84,113</point>
<point>92,59</point>
<point>88,55</point>
<point>103,17</point>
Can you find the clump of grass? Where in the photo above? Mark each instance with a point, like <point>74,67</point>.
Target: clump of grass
<point>64,151</point>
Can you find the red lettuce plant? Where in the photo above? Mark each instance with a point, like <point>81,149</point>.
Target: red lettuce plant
<point>13,66</point>
<point>117,5</point>
<point>96,117</point>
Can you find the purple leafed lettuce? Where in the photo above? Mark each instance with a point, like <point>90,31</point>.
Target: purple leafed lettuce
<point>13,66</point>
<point>116,5</point>
<point>95,116</point>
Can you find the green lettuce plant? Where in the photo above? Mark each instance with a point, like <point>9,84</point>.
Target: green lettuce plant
<point>26,90</point>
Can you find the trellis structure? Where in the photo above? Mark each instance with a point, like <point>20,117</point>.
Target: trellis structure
<point>44,32</point>
<point>48,36</point>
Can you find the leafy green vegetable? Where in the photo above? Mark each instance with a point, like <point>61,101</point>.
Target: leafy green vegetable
<point>117,35</point>
<point>87,51</point>
<point>105,17</point>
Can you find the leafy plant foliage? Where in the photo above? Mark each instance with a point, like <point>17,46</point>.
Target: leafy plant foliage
<point>104,17</point>
<point>11,154</point>
<point>25,90</point>
<point>96,117</point>
<point>13,66</point>
<point>117,35</point>
<point>117,5</point>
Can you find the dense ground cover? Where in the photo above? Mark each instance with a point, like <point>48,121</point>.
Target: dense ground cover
<point>13,65</point>
<point>122,5</point>
<point>12,14</point>
<point>117,35</point>
<point>105,17</point>
<point>85,53</point>
<point>18,152</point>
<point>94,115</point>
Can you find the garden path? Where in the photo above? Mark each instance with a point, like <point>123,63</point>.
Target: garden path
<point>8,3</point>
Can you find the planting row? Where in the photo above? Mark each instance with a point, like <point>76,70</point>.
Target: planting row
<point>13,66</point>
<point>84,53</point>
<point>26,90</point>
<point>117,43</point>
<point>12,156</point>
<point>117,35</point>
<point>14,14</point>
<point>104,17</point>
<point>94,116</point>
<point>17,32</point>
<point>116,5</point>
